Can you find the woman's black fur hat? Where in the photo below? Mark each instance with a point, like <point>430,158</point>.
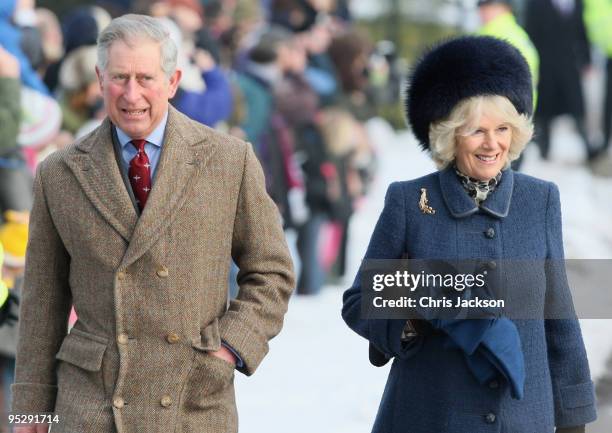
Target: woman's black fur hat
<point>461,68</point>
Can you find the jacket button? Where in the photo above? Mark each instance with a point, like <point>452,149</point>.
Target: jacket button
<point>122,338</point>
<point>162,272</point>
<point>490,233</point>
<point>118,402</point>
<point>121,275</point>
<point>493,385</point>
<point>490,418</point>
<point>491,265</point>
<point>173,338</point>
<point>166,401</point>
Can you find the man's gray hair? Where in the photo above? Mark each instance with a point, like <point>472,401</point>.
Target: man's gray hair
<point>131,27</point>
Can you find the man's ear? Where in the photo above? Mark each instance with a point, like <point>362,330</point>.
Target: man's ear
<point>99,75</point>
<point>175,78</point>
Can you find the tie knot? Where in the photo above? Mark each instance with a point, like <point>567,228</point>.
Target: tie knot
<point>139,144</point>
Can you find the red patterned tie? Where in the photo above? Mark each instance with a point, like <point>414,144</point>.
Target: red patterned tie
<point>140,174</point>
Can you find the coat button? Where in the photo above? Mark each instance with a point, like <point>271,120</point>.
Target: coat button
<point>121,276</point>
<point>162,272</point>
<point>494,384</point>
<point>173,338</point>
<point>491,265</point>
<point>490,233</point>
<point>490,418</point>
<point>166,401</point>
<point>122,338</point>
<point>118,402</point>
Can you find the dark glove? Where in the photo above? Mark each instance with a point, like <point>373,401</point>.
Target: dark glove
<point>578,429</point>
<point>6,315</point>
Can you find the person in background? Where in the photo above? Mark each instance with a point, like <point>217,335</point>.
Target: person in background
<point>320,71</point>
<point>556,28</point>
<point>306,197</point>
<point>15,180</point>
<point>256,78</point>
<point>15,14</point>
<point>79,92</point>
<point>498,21</point>
<point>52,39</point>
<point>493,373</point>
<point>80,27</point>
<point>204,93</point>
<point>349,149</point>
<point>598,19</point>
<point>350,53</point>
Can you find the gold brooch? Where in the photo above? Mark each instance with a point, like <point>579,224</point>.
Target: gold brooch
<point>425,208</point>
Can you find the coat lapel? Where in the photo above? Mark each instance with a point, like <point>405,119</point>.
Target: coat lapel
<point>95,168</point>
<point>498,204</point>
<point>185,151</point>
<point>461,205</point>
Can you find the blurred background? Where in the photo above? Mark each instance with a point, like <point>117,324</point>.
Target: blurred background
<point>317,87</point>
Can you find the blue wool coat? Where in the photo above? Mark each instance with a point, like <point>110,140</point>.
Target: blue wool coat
<point>429,388</point>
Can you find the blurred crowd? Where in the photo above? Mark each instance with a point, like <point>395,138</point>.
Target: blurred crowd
<point>293,77</point>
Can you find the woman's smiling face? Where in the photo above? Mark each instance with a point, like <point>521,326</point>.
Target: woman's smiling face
<point>483,152</point>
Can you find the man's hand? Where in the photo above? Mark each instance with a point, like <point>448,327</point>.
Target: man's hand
<point>224,353</point>
<point>32,428</point>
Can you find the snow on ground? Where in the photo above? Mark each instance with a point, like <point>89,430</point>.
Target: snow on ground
<point>317,377</point>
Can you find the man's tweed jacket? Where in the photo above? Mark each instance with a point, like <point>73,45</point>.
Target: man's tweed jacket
<point>150,291</point>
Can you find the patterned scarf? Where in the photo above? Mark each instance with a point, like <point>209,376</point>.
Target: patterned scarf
<point>479,190</point>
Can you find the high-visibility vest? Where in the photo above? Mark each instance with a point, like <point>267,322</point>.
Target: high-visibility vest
<point>505,27</point>
<point>598,20</point>
<point>3,288</point>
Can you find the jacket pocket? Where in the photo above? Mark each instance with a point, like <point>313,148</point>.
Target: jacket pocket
<point>82,390</point>
<point>575,396</point>
<point>210,378</point>
<point>83,350</point>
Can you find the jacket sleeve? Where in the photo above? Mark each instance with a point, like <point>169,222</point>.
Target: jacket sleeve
<point>266,277</point>
<point>387,242</point>
<point>45,304</point>
<point>572,386</point>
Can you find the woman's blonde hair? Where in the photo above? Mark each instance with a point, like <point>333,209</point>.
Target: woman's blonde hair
<point>463,121</point>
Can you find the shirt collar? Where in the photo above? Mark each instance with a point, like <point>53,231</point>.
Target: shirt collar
<point>156,137</point>
<point>460,204</point>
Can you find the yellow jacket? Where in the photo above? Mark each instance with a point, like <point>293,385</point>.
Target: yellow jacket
<point>598,21</point>
<point>3,288</point>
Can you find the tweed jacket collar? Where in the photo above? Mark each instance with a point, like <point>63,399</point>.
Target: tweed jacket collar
<point>184,154</point>
<point>461,205</point>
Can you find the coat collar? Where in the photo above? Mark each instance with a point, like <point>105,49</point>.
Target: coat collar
<point>461,205</point>
<point>185,151</point>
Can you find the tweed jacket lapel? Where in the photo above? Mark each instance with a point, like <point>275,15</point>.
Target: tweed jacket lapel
<point>95,168</point>
<point>461,205</point>
<point>184,154</point>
